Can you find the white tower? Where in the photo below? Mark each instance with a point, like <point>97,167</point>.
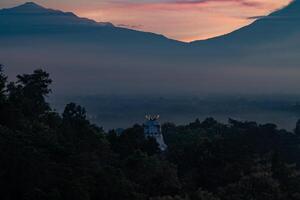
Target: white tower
<point>152,129</point>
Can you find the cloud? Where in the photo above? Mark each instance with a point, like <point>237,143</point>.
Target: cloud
<point>188,4</point>
<point>138,26</point>
<point>241,2</point>
<point>170,5</point>
<point>256,17</point>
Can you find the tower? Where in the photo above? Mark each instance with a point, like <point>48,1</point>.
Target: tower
<point>152,129</point>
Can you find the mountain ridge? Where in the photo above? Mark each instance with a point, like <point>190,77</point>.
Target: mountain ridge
<point>29,6</point>
<point>271,24</point>
<point>34,8</point>
<point>31,18</point>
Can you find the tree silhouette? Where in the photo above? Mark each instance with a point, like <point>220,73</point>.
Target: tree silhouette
<point>46,155</point>
<point>3,80</point>
<point>29,92</point>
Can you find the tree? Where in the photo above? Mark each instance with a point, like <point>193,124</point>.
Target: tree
<point>154,176</point>
<point>259,186</point>
<point>76,130</point>
<point>297,129</point>
<point>74,114</point>
<point>29,92</point>
<point>3,81</point>
<point>203,195</point>
<point>170,198</point>
<point>131,140</point>
<point>45,155</point>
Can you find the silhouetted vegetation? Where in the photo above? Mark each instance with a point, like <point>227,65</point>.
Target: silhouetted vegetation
<point>51,156</point>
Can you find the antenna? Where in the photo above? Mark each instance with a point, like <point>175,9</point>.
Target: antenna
<point>152,117</point>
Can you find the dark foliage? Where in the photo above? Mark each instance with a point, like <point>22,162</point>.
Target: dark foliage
<point>45,155</point>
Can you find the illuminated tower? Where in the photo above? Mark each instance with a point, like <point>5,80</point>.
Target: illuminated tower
<point>152,129</point>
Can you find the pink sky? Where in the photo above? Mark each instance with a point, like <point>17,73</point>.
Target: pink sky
<point>184,20</point>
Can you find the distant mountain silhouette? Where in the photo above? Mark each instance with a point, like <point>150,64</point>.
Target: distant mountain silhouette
<point>31,18</point>
<point>88,57</point>
<point>28,7</point>
<point>279,25</point>
<point>45,16</point>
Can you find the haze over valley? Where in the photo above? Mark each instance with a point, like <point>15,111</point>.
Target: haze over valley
<point>88,58</point>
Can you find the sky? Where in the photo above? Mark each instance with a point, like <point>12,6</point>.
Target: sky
<point>185,20</point>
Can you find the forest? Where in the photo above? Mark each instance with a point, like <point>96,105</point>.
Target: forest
<point>46,155</point>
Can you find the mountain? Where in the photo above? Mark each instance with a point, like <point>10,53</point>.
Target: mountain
<point>31,19</point>
<point>88,57</point>
<point>279,25</point>
<point>270,42</point>
<point>32,10</point>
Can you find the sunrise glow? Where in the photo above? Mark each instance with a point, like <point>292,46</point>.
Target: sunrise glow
<point>184,20</point>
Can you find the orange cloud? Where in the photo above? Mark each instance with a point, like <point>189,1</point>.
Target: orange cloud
<point>198,4</point>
